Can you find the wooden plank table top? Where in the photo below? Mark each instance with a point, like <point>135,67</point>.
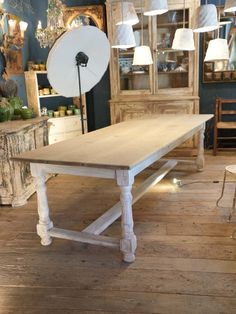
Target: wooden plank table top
<point>123,145</point>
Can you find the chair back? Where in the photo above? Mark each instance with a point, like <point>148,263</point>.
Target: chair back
<point>223,108</point>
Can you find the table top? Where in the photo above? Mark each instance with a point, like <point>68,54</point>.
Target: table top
<point>123,145</point>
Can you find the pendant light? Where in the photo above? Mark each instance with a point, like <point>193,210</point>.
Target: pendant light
<point>142,54</point>
<point>129,14</point>
<point>155,7</point>
<point>230,6</point>
<point>218,49</point>
<point>206,18</point>
<point>124,35</point>
<point>183,39</point>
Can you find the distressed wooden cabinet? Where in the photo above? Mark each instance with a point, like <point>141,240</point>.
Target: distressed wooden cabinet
<point>170,85</point>
<point>59,128</point>
<point>16,182</point>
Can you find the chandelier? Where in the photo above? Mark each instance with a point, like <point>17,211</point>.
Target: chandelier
<point>55,24</point>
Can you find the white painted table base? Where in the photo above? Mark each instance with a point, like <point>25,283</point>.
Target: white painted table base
<point>76,157</point>
<point>91,234</point>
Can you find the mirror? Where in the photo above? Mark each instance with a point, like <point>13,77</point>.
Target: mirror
<point>221,71</point>
<point>85,15</point>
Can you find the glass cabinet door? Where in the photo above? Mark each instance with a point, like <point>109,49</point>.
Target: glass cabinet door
<point>134,77</point>
<point>171,66</point>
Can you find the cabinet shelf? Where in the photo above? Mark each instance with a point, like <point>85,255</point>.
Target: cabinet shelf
<point>60,128</point>
<point>50,95</point>
<point>173,24</point>
<point>39,72</point>
<point>167,49</point>
<point>127,53</point>
<point>134,73</point>
<point>173,72</point>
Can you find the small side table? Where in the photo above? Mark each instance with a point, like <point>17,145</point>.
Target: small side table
<point>16,182</point>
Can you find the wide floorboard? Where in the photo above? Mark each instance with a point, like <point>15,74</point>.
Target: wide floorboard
<point>185,260</point>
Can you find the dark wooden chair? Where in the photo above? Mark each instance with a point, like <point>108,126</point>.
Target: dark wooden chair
<point>225,109</point>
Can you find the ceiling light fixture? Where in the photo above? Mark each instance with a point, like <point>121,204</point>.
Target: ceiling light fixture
<point>155,7</point>
<point>230,6</point>
<point>129,14</point>
<point>218,49</point>
<point>124,35</point>
<point>205,18</point>
<point>183,39</point>
<point>142,54</point>
<point>55,24</point>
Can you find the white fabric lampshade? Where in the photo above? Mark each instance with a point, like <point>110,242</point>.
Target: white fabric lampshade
<point>129,15</point>
<point>142,56</point>
<point>123,37</point>
<point>61,63</point>
<point>155,7</point>
<point>217,50</point>
<point>230,6</point>
<point>183,39</point>
<point>206,19</point>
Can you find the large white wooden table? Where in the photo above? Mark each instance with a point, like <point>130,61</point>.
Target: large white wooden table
<point>118,152</point>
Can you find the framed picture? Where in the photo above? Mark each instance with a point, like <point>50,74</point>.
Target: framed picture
<point>85,15</point>
<point>14,62</point>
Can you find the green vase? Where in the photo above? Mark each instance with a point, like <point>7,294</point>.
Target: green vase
<point>26,113</point>
<point>4,114</point>
<point>16,103</point>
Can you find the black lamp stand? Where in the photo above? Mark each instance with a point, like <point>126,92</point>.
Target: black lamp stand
<point>81,61</point>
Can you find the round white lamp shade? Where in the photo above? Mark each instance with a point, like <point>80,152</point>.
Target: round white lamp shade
<point>230,6</point>
<point>61,63</point>
<point>125,14</point>
<point>217,50</point>
<point>206,19</point>
<point>183,39</point>
<point>142,56</point>
<point>123,37</point>
<point>155,7</point>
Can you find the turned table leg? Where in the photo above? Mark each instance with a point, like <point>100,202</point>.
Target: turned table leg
<point>200,161</point>
<point>128,242</point>
<point>44,223</point>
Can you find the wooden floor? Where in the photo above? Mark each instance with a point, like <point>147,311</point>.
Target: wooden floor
<point>185,261</point>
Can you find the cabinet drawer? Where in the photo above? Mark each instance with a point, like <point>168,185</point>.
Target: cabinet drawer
<point>56,125</point>
<point>54,138</point>
<point>72,123</point>
<point>72,134</point>
<point>64,124</point>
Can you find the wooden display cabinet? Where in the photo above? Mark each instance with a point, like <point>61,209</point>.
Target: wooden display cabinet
<point>170,85</point>
<point>61,128</point>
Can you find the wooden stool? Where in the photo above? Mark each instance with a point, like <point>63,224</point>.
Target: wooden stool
<point>228,169</point>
